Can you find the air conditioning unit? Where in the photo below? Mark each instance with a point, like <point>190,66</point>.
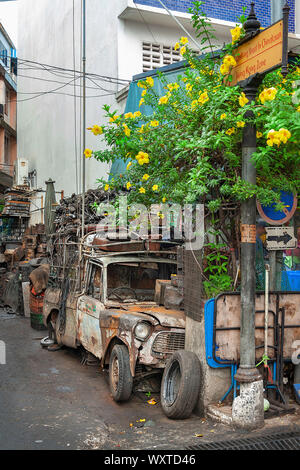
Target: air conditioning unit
<point>21,172</point>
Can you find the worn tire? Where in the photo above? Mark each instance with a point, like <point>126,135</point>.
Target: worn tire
<point>180,385</point>
<point>120,378</point>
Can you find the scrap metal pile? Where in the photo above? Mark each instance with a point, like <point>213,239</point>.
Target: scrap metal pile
<point>69,212</point>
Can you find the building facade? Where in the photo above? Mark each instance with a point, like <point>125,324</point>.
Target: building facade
<point>8,107</point>
<point>124,38</point>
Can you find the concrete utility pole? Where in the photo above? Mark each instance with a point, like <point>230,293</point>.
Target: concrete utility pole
<point>247,409</point>
<point>83,109</point>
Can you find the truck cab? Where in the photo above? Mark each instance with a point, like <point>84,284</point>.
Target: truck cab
<point>128,314</point>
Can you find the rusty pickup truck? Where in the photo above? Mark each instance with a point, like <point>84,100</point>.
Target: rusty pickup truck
<point>117,317</point>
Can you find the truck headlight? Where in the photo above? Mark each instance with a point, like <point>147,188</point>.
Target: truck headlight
<point>142,331</point>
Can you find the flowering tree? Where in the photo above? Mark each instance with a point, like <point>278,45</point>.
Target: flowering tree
<point>189,149</point>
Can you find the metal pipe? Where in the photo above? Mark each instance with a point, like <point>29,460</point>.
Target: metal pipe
<point>83,108</point>
<point>267,267</point>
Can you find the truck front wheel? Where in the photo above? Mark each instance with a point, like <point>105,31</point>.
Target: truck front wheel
<point>120,378</point>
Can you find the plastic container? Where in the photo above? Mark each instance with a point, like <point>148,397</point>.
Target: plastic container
<point>294,280</point>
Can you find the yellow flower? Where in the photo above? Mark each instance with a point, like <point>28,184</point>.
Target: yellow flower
<point>189,87</point>
<point>150,81</point>
<point>163,100</point>
<point>96,130</point>
<point>142,158</point>
<point>127,131</point>
<point>137,114</point>
<point>155,187</point>
<point>164,199</point>
<point>141,84</point>
<point>273,138</point>
<point>203,97</point>
<point>142,101</point>
<point>106,187</point>
<point>128,115</point>
<point>194,104</point>
<point>284,135</point>
<point>177,46</point>
<point>235,34</point>
<point>240,124</point>
<point>184,40</point>
<point>223,116</point>
<point>144,92</point>
<point>114,118</point>
<point>298,109</point>
<point>142,190</point>
<point>230,131</point>
<point>258,135</point>
<point>183,50</point>
<point>128,185</point>
<point>268,94</point>
<point>88,153</point>
<point>129,165</point>
<point>229,60</point>
<point>160,215</point>
<point>224,69</point>
<point>146,177</point>
<point>154,123</point>
<point>243,99</point>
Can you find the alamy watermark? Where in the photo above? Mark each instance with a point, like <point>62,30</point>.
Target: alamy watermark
<point>2,353</point>
<point>159,222</point>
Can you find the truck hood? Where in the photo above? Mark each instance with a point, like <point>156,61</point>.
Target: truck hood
<point>166,317</point>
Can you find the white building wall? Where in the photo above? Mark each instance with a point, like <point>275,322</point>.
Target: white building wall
<point>115,33</point>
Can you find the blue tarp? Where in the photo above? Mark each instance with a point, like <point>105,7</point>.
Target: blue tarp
<point>134,95</point>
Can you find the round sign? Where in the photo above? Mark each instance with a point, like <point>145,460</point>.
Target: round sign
<point>274,217</point>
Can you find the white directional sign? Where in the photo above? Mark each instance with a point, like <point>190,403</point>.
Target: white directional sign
<point>280,238</point>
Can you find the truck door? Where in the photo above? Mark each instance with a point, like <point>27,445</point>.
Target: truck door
<point>88,312</point>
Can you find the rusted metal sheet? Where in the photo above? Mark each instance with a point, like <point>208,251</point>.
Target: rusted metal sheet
<point>88,326</point>
<point>228,310</point>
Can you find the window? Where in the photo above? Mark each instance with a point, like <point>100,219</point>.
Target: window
<point>3,53</point>
<point>158,55</point>
<point>6,149</point>
<point>94,282</point>
<point>7,100</point>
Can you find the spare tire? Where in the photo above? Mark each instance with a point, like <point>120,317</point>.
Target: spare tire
<point>180,385</point>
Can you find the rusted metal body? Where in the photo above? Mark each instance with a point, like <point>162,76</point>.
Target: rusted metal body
<point>227,324</point>
<point>96,322</point>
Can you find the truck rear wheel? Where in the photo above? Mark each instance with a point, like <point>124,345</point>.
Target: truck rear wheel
<point>180,385</point>
<point>120,378</point>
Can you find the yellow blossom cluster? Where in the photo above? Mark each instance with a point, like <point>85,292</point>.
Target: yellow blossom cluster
<point>88,153</point>
<point>243,99</point>
<point>96,130</point>
<point>240,124</point>
<point>142,158</point>
<point>127,131</point>
<point>268,94</point>
<point>276,137</point>
<point>228,62</point>
<point>173,86</point>
<point>230,131</point>
<point>114,118</point>
<point>236,34</point>
<point>203,98</point>
<point>163,99</point>
<point>181,45</point>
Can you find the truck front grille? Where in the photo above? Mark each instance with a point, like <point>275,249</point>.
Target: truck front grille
<point>168,342</point>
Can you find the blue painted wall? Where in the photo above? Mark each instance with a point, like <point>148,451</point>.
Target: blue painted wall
<point>228,10</point>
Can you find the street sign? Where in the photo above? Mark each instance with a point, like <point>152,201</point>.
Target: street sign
<point>274,217</point>
<point>280,238</point>
<point>260,54</point>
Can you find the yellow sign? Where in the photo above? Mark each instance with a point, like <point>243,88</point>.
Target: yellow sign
<point>259,54</point>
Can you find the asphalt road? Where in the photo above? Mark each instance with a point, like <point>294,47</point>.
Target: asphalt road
<point>48,400</point>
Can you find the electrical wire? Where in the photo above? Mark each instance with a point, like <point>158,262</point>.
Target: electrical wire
<point>75,103</point>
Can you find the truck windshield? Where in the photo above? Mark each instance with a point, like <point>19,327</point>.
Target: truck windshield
<point>136,281</point>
